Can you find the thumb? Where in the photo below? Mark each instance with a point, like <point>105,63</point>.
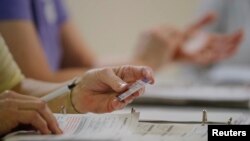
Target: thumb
<point>109,78</point>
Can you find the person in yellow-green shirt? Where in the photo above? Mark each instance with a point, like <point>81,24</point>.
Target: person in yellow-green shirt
<point>96,91</point>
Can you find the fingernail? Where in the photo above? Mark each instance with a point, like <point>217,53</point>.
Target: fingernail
<point>116,104</point>
<point>122,85</point>
<point>58,130</point>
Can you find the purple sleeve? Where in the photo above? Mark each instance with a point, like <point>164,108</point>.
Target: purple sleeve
<point>61,11</point>
<point>15,10</point>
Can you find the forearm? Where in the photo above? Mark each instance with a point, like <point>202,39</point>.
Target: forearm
<point>67,74</point>
<point>26,48</point>
<point>63,74</point>
<point>76,51</point>
<point>38,89</point>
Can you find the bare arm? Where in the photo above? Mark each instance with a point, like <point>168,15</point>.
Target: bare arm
<point>24,44</point>
<point>76,53</point>
<point>39,88</point>
<point>96,90</point>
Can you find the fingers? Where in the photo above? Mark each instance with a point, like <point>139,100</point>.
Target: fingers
<point>218,47</point>
<point>203,21</point>
<point>117,78</point>
<point>111,103</point>
<point>130,74</point>
<point>117,105</point>
<point>35,119</point>
<point>134,96</point>
<point>147,73</point>
<point>50,119</point>
<point>108,77</point>
<point>230,44</point>
<point>99,94</point>
<point>204,58</point>
<point>31,106</point>
<point>223,46</point>
<point>236,38</point>
<point>42,108</point>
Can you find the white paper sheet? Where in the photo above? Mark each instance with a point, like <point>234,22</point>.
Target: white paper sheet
<point>242,119</point>
<point>122,127</point>
<point>168,132</point>
<point>165,129</point>
<point>90,127</point>
<point>97,124</point>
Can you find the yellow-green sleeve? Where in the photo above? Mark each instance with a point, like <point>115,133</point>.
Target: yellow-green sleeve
<point>10,73</point>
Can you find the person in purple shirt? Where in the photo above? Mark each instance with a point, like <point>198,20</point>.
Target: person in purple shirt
<point>47,46</point>
<point>46,16</point>
<point>43,40</point>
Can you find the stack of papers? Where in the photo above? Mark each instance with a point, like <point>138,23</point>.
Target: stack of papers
<point>119,127</point>
<point>114,127</point>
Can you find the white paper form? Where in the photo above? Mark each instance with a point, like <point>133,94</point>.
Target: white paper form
<point>160,138</point>
<point>97,124</point>
<point>59,138</point>
<point>242,119</point>
<point>143,132</point>
<point>88,127</point>
<point>166,130</point>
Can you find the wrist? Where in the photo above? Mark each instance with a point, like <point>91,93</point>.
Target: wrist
<point>71,107</point>
<point>71,100</point>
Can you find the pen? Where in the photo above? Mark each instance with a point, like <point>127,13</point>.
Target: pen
<point>133,88</point>
<point>59,92</point>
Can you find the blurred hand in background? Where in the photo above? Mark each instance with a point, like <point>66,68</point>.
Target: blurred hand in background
<point>165,44</point>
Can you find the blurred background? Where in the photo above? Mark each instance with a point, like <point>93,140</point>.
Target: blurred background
<point>111,27</point>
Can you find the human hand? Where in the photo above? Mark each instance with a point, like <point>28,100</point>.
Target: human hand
<point>157,46</point>
<point>166,44</point>
<point>207,48</point>
<point>18,109</point>
<point>98,89</point>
